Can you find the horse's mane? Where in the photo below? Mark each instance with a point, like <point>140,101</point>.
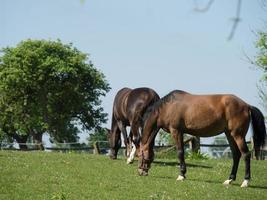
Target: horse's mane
<point>156,105</point>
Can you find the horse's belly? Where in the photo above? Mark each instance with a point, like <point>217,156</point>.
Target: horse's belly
<point>209,132</point>
<point>205,127</point>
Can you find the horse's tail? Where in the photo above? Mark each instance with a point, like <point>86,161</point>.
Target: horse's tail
<point>259,129</point>
<point>113,121</point>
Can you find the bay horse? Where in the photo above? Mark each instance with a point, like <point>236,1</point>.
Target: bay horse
<point>180,112</point>
<point>128,108</point>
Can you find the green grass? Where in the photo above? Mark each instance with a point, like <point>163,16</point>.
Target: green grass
<point>43,175</point>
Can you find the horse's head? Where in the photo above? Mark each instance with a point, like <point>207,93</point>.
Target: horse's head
<point>145,159</point>
<point>114,140</point>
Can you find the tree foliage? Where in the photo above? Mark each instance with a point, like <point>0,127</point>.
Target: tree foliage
<point>48,86</point>
<point>165,138</point>
<point>99,136</point>
<point>261,63</point>
<point>261,59</point>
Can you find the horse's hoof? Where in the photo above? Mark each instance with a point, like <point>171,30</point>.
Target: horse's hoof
<point>142,172</point>
<point>129,161</point>
<point>245,183</point>
<point>228,182</point>
<point>180,178</point>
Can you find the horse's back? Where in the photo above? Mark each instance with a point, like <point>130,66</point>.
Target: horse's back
<point>122,93</point>
<point>224,100</point>
<point>202,113</point>
<point>139,99</point>
<point>120,104</point>
<point>142,96</point>
<point>130,103</point>
<point>224,105</point>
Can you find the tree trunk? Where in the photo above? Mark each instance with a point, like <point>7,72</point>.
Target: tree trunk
<point>37,138</point>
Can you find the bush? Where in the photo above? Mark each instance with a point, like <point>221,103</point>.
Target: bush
<point>196,156</point>
<point>171,153</point>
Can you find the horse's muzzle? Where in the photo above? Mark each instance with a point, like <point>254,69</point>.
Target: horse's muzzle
<point>113,157</point>
<point>142,172</point>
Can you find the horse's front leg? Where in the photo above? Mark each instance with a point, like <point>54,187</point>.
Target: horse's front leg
<point>178,137</point>
<point>146,153</point>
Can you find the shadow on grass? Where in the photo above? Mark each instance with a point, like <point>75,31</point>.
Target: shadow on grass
<point>164,177</point>
<point>172,163</point>
<point>193,180</point>
<point>234,184</point>
<point>258,187</point>
<point>207,181</point>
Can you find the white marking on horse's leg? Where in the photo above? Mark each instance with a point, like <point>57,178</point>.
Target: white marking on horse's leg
<point>180,178</point>
<point>132,154</point>
<point>129,147</point>
<point>128,151</point>
<point>228,182</point>
<point>245,183</point>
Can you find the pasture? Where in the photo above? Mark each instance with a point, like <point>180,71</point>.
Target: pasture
<point>54,176</point>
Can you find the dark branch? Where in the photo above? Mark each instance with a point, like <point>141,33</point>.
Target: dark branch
<point>236,20</point>
<point>205,8</point>
<point>263,3</point>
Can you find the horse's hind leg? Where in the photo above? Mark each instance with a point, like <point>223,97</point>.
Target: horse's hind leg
<point>117,142</point>
<point>132,155</point>
<point>135,141</point>
<point>178,137</point>
<point>241,143</point>
<point>131,149</point>
<point>122,128</point>
<point>236,158</point>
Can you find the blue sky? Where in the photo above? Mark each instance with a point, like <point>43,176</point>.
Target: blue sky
<point>160,44</point>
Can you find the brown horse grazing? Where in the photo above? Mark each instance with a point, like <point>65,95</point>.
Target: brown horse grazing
<point>128,109</point>
<point>202,115</point>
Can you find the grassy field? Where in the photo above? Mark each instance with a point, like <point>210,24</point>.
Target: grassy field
<point>43,175</point>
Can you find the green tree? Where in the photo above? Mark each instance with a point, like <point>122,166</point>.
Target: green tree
<point>165,138</point>
<point>48,86</point>
<point>99,136</point>
<point>261,63</point>
<point>5,140</point>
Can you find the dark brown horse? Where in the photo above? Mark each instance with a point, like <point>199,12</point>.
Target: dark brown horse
<point>202,115</point>
<point>128,109</point>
